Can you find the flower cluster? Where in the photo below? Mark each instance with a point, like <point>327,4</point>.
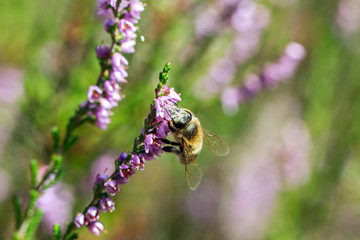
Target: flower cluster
<point>147,145</point>
<point>105,95</point>
<point>271,75</point>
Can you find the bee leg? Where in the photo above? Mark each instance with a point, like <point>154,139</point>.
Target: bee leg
<point>169,142</point>
<point>171,149</point>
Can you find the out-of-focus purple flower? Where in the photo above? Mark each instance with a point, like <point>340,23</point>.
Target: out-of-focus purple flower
<point>285,66</point>
<point>106,204</point>
<point>138,162</point>
<point>92,214</point>
<point>56,205</point>
<point>94,93</point>
<point>102,51</point>
<point>220,74</point>
<point>112,187</point>
<point>229,99</point>
<point>271,75</point>
<point>11,85</point>
<point>207,22</point>
<point>96,227</point>
<point>79,220</point>
<point>348,16</point>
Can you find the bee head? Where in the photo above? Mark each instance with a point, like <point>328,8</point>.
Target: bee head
<point>180,117</point>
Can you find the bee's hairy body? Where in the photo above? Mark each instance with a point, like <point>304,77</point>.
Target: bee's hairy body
<point>191,134</point>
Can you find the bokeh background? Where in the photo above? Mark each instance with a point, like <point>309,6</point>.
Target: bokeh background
<point>293,171</point>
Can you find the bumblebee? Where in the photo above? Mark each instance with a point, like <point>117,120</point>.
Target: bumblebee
<point>189,137</point>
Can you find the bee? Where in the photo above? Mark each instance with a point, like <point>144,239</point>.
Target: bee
<point>189,136</point>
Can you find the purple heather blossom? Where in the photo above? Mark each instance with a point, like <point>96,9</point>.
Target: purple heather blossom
<point>96,227</point>
<point>135,8</point>
<point>125,172</point>
<point>118,61</point>
<point>94,93</point>
<point>79,220</point>
<point>112,92</point>
<point>106,94</point>
<point>127,29</point>
<point>128,46</point>
<point>102,51</point>
<point>112,187</point>
<point>122,156</point>
<point>163,129</point>
<point>92,214</point>
<point>109,24</point>
<point>102,117</point>
<point>101,178</point>
<point>163,103</point>
<point>138,162</point>
<point>106,204</point>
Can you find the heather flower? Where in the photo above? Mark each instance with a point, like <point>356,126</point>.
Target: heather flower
<point>127,29</point>
<point>92,214</point>
<point>135,8</point>
<point>94,93</point>
<point>138,162</point>
<point>79,220</point>
<point>122,156</point>
<point>128,46</point>
<point>125,172</point>
<point>101,177</point>
<point>105,95</point>
<point>106,204</point>
<point>96,227</point>
<point>163,129</point>
<point>109,25</point>
<point>165,102</point>
<point>102,51</point>
<point>112,187</point>
<point>118,61</point>
<point>147,145</point>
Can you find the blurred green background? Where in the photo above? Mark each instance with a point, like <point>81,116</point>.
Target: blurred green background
<point>293,169</point>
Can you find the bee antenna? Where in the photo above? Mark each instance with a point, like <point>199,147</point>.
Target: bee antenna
<point>175,103</point>
<point>167,111</point>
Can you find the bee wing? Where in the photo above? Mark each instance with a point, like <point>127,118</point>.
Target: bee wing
<point>193,172</point>
<point>215,143</point>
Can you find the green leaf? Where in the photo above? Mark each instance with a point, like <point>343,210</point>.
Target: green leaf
<point>17,210</point>
<point>33,225</point>
<point>56,138</point>
<point>34,171</point>
<point>32,203</point>
<point>56,229</point>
